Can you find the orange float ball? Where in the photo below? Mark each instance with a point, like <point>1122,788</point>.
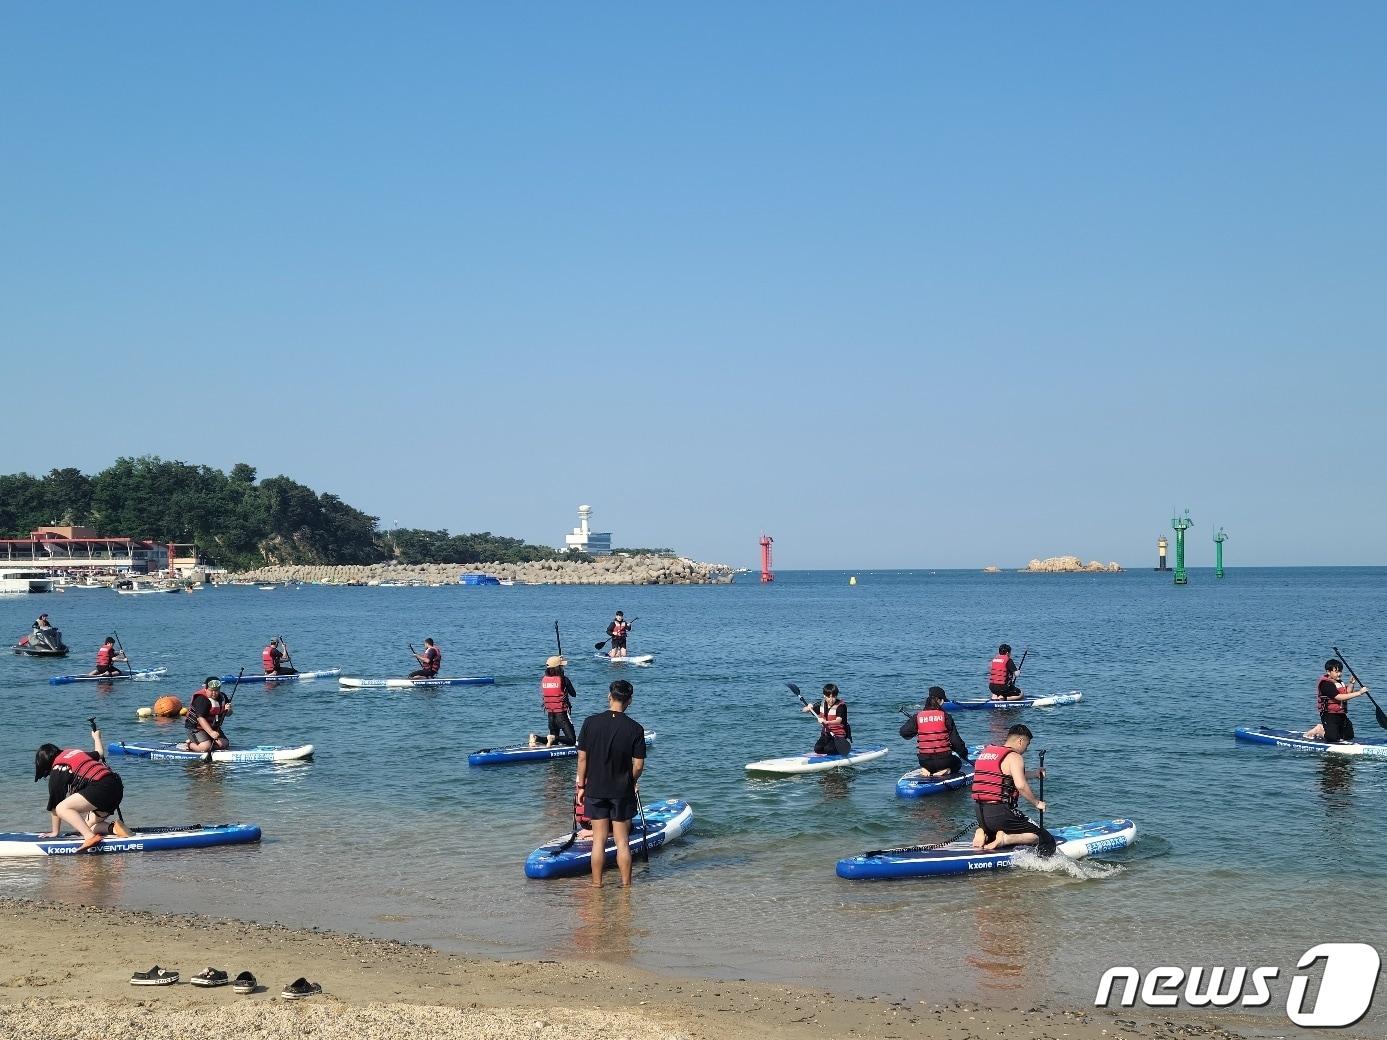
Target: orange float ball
<point>167,707</point>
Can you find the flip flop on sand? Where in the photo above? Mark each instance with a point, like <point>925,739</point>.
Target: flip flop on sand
<point>210,977</point>
<point>245,983</point>
<point>300,988</point>
<point>155,976</point>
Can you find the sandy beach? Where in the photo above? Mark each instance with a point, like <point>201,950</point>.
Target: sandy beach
<point>64,975</point>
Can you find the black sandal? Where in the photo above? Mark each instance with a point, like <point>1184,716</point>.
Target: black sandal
<point>210,977</point>
<point>155,976</point>
<point>245,983</point>
<point>300,988</point>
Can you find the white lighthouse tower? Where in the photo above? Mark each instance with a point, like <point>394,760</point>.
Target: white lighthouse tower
<point>583,539</point>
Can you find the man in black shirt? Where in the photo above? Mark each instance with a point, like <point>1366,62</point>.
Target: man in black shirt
<point>611,758</point>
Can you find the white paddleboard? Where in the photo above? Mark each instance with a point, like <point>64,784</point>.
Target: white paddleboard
<point>818,763</point>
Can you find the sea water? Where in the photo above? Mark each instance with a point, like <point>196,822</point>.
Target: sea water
<point>1246,855</point>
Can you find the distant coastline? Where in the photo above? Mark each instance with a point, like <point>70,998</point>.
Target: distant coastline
<point>603,570</point>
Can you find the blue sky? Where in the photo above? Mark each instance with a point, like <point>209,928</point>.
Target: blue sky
<point>902,284</point>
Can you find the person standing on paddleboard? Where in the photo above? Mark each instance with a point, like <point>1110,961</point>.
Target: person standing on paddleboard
<point>938,747</point>
<point>78,783</point>
<point>206,717</point>
<point>556,695</point>
<point>1001,675</point>
<point>999,780</point>
<point>617,632</point>
<point>106,658</point>
<point>274,660</point>
<point>611,758</point>
<point>832,713</point>
<point>430,661</point>
<point>1332,695</point>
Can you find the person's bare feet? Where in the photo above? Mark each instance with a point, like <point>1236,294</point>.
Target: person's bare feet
<point>979,836</point>
<point>88,843</point>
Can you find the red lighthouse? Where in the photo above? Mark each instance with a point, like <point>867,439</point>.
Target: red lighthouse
<point>766,575</point>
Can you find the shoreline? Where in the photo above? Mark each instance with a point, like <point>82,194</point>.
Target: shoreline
<point>604,570</point>
<point>68,966</point>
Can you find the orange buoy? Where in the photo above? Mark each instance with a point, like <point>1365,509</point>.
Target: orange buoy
<point>167,706</point>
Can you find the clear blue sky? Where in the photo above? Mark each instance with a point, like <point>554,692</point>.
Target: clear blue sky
<point>902,284</point>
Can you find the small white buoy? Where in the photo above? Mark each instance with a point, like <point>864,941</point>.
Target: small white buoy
<point>852,580</point>
<point>145,713</point>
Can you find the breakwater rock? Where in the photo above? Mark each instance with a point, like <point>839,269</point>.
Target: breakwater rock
<point>605,570</point>
<point>1069,565</point>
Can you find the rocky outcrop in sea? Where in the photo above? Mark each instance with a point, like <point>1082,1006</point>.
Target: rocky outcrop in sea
<point>1069,565</point>
<point>605,570</point>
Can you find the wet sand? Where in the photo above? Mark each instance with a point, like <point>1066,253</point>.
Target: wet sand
<point>64,975</point>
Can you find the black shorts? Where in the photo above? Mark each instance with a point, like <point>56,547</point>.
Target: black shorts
<point>104,794</point>
<point>610,808</point>
<point>1004,689</point>
<point>934,763</point>
<point>618,642</point>
<point>999,816</point>
<point>1337,726</point>
<point>197,736</point>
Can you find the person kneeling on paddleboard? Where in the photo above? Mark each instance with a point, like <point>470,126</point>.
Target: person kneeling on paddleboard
<point>1001,675</point>
<point>1332,695</point>
<point>832,713</point>
<point>617,631</point>
<point>555,693</point>
<point>939,749</point>
<point>999,779</point>
<point>106,658</point>
<point>79,783</point>
<point>275,661</point>
<point>430,661</point>
<point>207,713</point>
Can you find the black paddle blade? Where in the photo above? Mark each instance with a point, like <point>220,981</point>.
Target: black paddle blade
<point>599,646</point>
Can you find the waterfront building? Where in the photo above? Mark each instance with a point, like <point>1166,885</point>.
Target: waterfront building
<point>583,539</point>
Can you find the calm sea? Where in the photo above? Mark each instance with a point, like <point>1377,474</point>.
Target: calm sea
<point>1246,855</point>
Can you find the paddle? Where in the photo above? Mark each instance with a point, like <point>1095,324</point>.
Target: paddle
<point>1042,789</point>
<point>288,657</point>
<point>557,641</point>
<point>130,668</point>
<point>1381,716</point>
<point>571,838</point>
<point>121,830</point>
<point>645,840</point>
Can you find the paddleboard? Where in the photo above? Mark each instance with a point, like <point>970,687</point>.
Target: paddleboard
<point>149,839</point>
<point>247,680</point>
<point>504,756</point>
<point>148,675</point>
<point>1288,738</point>
<point>817,763</point>
<point>959,857</point>
<point>993,704</point>
<point>402,684</point>
<point>176,752</point>
<point>913,785</point>
<point>628,659</point>
<point>664,822</point>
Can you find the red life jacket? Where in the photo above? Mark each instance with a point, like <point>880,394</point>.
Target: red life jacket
<point>105,655</point>
<point>997,672</point>
<point>83,766</point>
<point>433,660</point>
<point>551,694</point>
<point>932,732</point>
<point>1328,705</point>
<point>579,810</point>
<point>990,784</point>
<point>269,657</point>
<point>216,711</point>
<point>831,721</point>
<point>619,628</point>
